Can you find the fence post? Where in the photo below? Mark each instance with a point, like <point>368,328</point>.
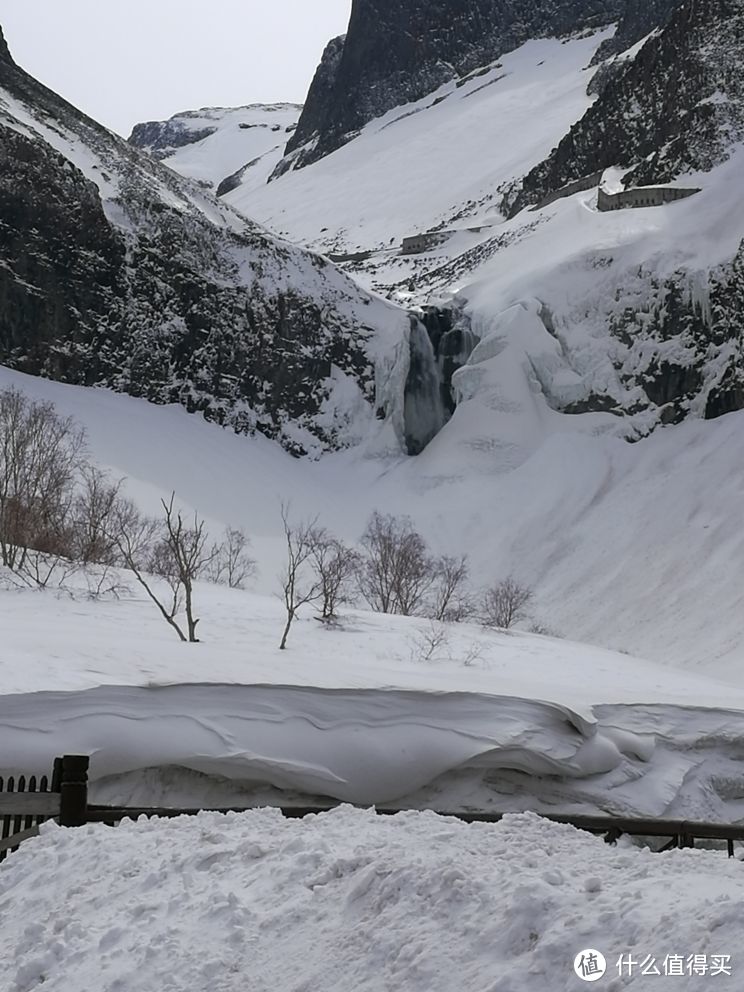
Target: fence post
<point>56,775</point>
<point>73,807</point>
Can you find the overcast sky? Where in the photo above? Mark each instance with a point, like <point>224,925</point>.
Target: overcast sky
<point>125,61</point>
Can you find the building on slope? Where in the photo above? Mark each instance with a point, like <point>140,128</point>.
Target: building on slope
<point>642,196</point>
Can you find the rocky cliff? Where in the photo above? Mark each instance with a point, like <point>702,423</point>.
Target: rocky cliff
<point>394,53</point>
<point>677,107</point>
<point>114,271</point>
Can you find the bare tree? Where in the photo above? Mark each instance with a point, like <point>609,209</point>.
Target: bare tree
<point>450,599</point>
<point>336,566</point>
<point>168,549</point>
<point>397,571</point>
<point>300,583</point>
<point>182,556</point>
<point>41,454</point>
<point>136,537</point>
<point>505,604</point>
<point>232,564</point>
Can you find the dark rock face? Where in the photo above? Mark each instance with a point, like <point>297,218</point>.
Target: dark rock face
<point>676,107</point>
<point>5,55</point>
<point>638,20</point>
<point>319,98</point>
<point>65,264</point>
<point>397,52</point>
<point>704,321</point>
<point>127,276</point>
<point>159,138</point>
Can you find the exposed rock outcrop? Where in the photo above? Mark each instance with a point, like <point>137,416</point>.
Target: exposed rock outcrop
<point>677,107</point>
<point>397,52</point>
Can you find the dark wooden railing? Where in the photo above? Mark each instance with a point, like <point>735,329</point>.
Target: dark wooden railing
<point>26,803</point>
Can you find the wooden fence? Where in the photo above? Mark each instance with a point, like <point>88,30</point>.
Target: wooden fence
<point>26,803</point>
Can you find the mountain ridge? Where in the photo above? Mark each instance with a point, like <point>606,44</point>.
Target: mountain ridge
<point>117,272</point>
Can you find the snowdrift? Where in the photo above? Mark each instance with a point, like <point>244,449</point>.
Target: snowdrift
<point>414,902</point>
<point>362,746</point>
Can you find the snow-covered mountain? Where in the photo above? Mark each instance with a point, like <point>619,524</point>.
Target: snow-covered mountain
<point>221,148</point>
<point>540,348</point>
<point>632,317</point>
<point>547,331</point>
<point>115,271</point>
<point>395,53</point>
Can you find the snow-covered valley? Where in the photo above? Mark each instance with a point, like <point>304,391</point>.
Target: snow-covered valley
<point>274,317</point>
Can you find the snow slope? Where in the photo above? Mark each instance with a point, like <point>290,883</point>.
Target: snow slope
<point>627,546</point>
<point>413,902</point>
<point>211,144</point>
<point>425,163</point>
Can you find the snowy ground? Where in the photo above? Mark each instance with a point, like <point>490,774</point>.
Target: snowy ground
<point>627,546</point>
<point>493,720</point>
<point>630,547</point>
<point>349,900</point>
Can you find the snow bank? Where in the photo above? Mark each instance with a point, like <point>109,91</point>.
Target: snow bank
<point>362,746</point>
<point>348,900</point>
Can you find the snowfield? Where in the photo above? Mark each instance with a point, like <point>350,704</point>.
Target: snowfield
<point>627,546</point>
<point>491,721</point>
<point>345,900</point>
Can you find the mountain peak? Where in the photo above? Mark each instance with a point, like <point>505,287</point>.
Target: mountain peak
<point>5,55</point>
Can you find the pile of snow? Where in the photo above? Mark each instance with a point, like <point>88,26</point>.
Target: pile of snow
<point>347,900</point>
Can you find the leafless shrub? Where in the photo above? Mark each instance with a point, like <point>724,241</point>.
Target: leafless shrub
<point>397,571</point>
<point>37,569</point>
<point>93,512</point>
<point>300,583</point>
<point>472,654</point>
<point>428,643</point>
<point>543,630</point>
<point>232,564</point>
<point>505,604</point>
<point>336,566</point>
<point>103,582</point>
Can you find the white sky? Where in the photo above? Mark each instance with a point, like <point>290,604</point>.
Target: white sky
<point>125,61</point>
